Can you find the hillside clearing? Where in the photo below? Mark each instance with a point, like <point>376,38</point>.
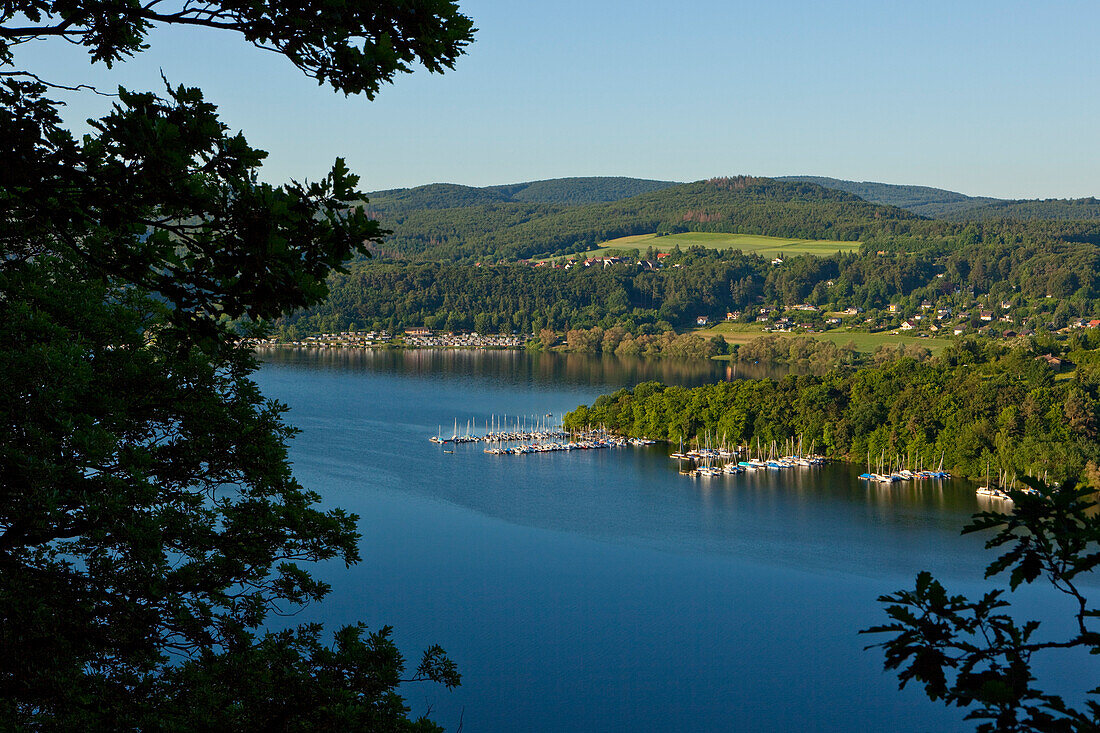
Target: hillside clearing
<point>759,244</point>
<point>741,333</point>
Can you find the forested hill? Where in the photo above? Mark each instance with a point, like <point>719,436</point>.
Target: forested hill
<point>563,191</point>
<point>582,190</point>
<point>501,229</point>
<point>934,203</point>
<point>937,203</point>
<point>1086,209</point>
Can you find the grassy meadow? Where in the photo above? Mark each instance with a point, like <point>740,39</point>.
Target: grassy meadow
<point>764,246</point>
<point>740,333</point>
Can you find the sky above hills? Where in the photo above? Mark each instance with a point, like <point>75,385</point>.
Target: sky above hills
<point>986,98</point>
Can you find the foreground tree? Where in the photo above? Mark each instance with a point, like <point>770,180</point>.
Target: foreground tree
<point>972,653</point>
<point>149,521</point>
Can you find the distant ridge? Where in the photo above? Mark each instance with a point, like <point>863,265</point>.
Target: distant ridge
<point>1085,209</point>
<point>934,203</point>
<point>590,190</point>
<point>555,191</point>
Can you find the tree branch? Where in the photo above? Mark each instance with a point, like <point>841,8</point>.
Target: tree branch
<point>53,85</point>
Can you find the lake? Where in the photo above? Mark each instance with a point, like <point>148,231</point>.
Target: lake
<point>601,590</point>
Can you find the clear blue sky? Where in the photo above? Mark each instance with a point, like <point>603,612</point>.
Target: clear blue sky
<point>993,98</point>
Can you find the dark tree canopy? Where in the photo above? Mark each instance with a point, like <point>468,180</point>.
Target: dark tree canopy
<point>353,47</point>
<point>974,654</point>
<point>149,520</point>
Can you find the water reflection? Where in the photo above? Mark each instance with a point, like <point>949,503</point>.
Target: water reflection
<point>522,366</point>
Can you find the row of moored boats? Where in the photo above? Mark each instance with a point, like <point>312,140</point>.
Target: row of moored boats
<point>536,429</point>
<point>540,436</point>
<point>579,443</point>
<point>753,464</point>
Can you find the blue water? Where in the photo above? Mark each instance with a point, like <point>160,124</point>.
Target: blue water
<point>601,590</point>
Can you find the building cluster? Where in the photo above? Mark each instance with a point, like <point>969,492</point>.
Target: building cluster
<point>340,340</point>
<point>602,261</point>
<point>997,319</point>
<point>423,338</point>
<point>413,337</point>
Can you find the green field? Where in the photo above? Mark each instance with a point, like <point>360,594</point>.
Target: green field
<point>740,333</point>
<point>764,246</point>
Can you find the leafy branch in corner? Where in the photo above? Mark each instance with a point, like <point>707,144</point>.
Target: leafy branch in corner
<point>971,653</point>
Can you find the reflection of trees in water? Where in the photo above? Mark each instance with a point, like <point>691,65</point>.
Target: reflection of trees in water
<point>539,367</point>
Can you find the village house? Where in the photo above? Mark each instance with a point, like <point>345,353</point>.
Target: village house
<point>1055,363</point>
<point>852,311</point>
<point>893,308</point>
<point>985,315</point>
<point>701,320</point>
<point>907,326</point>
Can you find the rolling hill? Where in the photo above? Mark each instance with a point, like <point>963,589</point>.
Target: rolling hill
<point>1085,209</point>
<point>934,203</point>
<point>443,221</point>
<point>740,205</point>
<point>556,191</point>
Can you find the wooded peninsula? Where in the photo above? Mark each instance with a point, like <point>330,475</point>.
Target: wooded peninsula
<point>978,407</point>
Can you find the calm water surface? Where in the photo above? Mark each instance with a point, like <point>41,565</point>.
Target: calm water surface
<point>602,591</point>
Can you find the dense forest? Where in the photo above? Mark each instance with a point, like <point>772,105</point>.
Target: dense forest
<point>526,299</point>
<point>977,405</point>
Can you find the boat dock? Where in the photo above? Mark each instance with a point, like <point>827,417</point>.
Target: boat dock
<point>503,429</point>
<point>533,434</point>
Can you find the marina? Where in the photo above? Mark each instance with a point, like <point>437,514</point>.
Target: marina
<point>515,436</point>
<point>897,470</point>
<point>536,434</point>
<point>503,429</point>
<point>541,435</point>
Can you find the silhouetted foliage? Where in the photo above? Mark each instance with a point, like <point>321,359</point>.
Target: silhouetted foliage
<point>149,520</point>
<point>972,653</point>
